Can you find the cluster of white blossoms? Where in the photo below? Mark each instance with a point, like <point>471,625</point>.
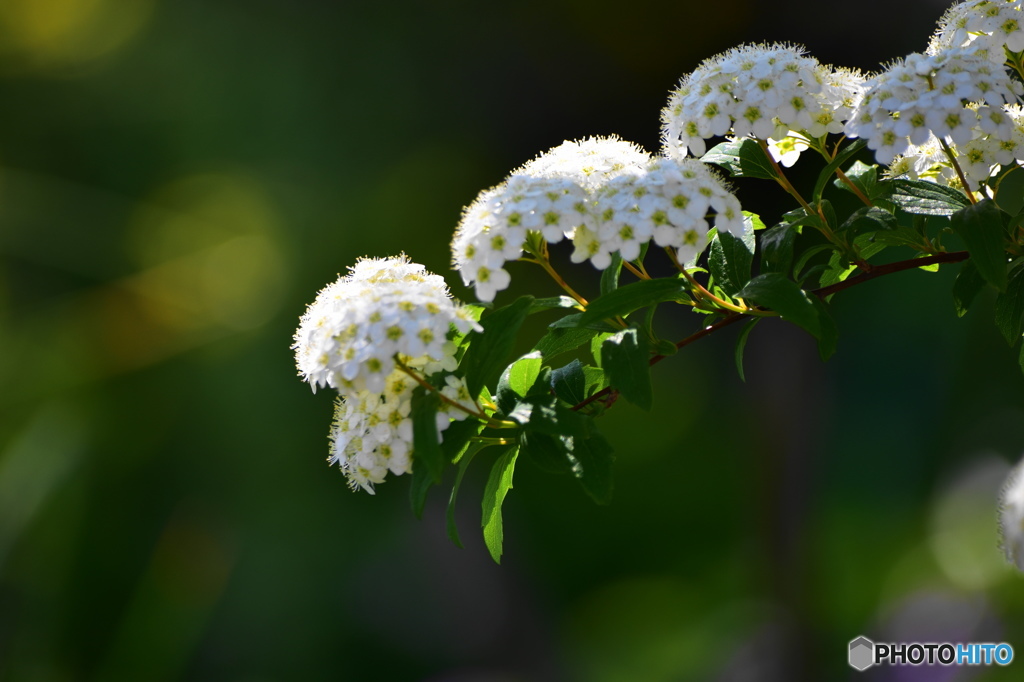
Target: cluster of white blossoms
<point>551,195</point>
<point>761,91</point>
<point>979,158</point>
<point>384,311</point>
<point>372,432</point>
<point>957,93</point>
<point>985,25</point>
<point>669,203</point>
<point>348,338</point>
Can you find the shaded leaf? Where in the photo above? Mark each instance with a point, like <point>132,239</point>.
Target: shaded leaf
<point>1010,307</point>
<point>981,228</point>
<point>610,275</point>
<point>741,344</point>
<point>730,260</point>
<point>1010,191</point>
<point>626,299</point>
<point>967,285</point>
<point>426,445</point>
<point>449,515</point>
<point>562,340</point>
<point>569,382</point>
<point>489,350</point>
<point>625,358</point>
<point>741,158</point>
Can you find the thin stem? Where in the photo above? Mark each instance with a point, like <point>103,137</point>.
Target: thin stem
<point>781,178</point>
<point>707,295</point>
<point>956,167</point>
<point>632,268</point>
<point>732,318</point>
<point>544,263</point>
<point>492,423</point>
<point>492,441</point>
<point>853,188</point>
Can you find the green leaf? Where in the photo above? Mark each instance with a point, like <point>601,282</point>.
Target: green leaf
<point>449,515</point>
<point>1010,307</point>
<point>867,220</point>
<point>457,436</point>
<point>863,176</point>
<point>919,196</point>
<point>570,382</point>
<point>459,338</point>
<point>777,249</point>
<point>1010,191</point>
<point>828,336</point>
<point>827,171</point>
<point>595,379</point>
<point>742,158</point>
<point>752,222</point>
<point>489,350</point>
<point>552,302</point>
<point>776,292</point>
<point>549,453</point>
<point>839,268</point>
<point>575,321</point>
<point>626,299</point>
<point>730,260</point>
<point>594,456</point>
<point>625,359</point>
<point>521,374</point>
<point>595,347</point>
<point>741,343</point>
<point>499,482</point>
<point>967,285</point>
<point>610,276</point>
<point>981,228</point>
<point>426,445</point>
<point>562,340</point>
<point>421,482</point>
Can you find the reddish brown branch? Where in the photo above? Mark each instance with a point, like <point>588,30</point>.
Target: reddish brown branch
<point>876,271</point>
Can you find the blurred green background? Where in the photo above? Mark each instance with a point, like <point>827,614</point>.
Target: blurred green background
<point>178,180</point>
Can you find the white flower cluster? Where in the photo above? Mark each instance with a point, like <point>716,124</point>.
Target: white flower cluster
<point>979,158</point>
<point>760,91</point>
<point>550,195</point>
<point>957,94</point>
<point>349,339</point>
<point>1011,516</point>
<point>606,195</point>
<point>985,25</point>
<point>372,432</point>
<point>669,203</point>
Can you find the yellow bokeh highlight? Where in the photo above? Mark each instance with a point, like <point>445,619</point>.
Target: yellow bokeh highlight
<point>45,33</point>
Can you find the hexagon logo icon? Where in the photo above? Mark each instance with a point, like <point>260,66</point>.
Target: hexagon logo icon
<point>862,653</point>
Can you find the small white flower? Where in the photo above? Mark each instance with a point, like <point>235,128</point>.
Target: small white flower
<point>787,150</point>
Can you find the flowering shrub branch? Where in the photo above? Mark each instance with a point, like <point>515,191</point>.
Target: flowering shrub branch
<point>425,382</point>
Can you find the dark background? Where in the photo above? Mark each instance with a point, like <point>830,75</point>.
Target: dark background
<point>179,179</point>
